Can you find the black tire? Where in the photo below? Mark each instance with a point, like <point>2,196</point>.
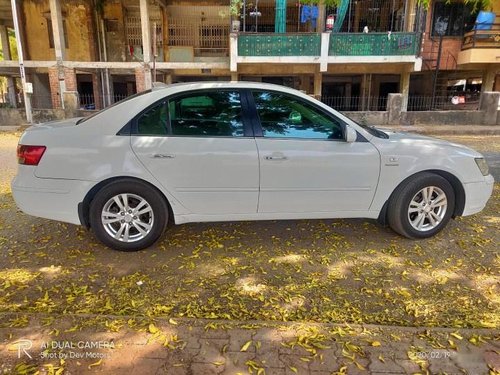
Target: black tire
<point>157,215</point>
<point>399,217</point>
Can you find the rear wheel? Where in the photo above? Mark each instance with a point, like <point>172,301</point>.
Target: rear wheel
<point>421,207</point>
<point>128,215</point>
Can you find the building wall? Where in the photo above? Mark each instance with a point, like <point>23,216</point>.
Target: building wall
<point>76,14</point>
<point>450,48</point>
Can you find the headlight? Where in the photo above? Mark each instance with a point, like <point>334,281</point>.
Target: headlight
<point>482,165</point>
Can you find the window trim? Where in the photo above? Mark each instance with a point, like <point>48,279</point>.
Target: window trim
<point>259,131</point>
<point>433,34</point>
<point>247,128</point>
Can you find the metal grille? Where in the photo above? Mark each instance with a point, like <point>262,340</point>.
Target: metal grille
<point>205,29</point>
<point>133,26</point>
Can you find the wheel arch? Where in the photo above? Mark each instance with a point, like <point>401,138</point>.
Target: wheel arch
<point>457,186</point>
<point>84,206</point>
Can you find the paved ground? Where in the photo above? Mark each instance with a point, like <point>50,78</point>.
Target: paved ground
<point>239,297</point>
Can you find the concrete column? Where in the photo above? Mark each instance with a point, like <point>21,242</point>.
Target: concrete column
<point>234,76</point>
<point>146,31</point>
<point>318,83</point>
<point>57,30</point>
<point>489,105</point>
<point>325,49</point>
<point>233,52</point>
<point>488,79</point>
<point>410,14</point>
<point>11,88</point>
<point>404,89</point>
<point>320,26</point>
<point>394,108</point>
<point>71,103</point>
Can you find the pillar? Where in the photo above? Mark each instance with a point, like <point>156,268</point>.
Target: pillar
<point>318,83</point>
<point>488,104</point>
<point>404,89</point>
<point>145,82</point>
<point>234,76</point>
<point>320,26</point>
<point>488,79</point>
<point>410,14</point>
<point>57,30</point>
<point>11,88</point>
<point>55,86</point>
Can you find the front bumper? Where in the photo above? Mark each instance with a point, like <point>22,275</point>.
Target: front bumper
<point>55,199</point>
<point>477,195</point>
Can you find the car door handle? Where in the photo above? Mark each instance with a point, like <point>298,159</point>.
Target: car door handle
<point>162,156</point>
<point>281,157</point>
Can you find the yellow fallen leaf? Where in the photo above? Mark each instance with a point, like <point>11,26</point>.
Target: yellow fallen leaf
<point>376,343</point>
<point>245,347</point>
<point>98,363</point>
<point>153,328</point>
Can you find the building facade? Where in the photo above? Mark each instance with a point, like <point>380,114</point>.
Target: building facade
<point>351,56</point>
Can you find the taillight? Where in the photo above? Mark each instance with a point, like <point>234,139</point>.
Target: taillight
<point>29,155</point>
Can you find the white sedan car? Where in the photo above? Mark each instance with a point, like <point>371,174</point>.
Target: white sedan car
<point>204,152</point>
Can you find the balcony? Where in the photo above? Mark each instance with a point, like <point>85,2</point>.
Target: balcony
<point>481,46</point>
<point>325,48</point>
<point>279,45</point>
<point>374,44</point>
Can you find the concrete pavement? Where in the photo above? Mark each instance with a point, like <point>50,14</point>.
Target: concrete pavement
<point>199,347</point>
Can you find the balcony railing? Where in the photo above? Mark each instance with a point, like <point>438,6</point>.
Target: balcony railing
<point>279,45</point>
<point>483,38</point>
<point>373,44</point>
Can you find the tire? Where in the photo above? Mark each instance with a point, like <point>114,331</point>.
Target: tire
<point>410,215</point>
<point>136,215</point>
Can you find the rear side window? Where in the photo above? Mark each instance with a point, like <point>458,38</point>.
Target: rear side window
<point>209,114</point>
<point>153,121</point>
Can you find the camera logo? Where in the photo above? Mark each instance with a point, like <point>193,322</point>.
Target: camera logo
<point>23,346</point>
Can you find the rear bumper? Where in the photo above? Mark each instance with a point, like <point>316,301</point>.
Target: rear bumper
<point>477,195</point>
<point>54,199</point>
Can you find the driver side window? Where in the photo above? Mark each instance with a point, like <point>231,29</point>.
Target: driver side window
<point>284,116</point>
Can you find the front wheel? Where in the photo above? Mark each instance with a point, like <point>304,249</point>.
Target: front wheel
<point>128,215</point>
<point>421,207</point>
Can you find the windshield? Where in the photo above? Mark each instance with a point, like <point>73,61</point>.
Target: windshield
<point>83,119</point>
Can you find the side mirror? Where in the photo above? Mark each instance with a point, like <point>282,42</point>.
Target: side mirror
<point>350,134</point>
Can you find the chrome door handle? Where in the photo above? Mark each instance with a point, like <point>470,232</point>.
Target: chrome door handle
<point>162,156</point>
<point>276,158</point>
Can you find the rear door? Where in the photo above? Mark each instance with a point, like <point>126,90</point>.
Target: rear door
<point>200,147</point>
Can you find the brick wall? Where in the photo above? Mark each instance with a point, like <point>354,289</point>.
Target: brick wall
<point>70,79</point>
<point>54,87</point>
<point>139,79</point>
<point>450,48</point>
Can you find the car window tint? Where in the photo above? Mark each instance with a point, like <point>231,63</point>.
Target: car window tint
<point>290,117</point>
<point>211,114</point>
<point>153,121</point>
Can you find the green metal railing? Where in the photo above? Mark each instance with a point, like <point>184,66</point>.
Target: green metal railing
<point>373,44</point>
<point>279,45</point>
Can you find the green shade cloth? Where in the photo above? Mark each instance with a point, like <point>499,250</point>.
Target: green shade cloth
<point>280,19</point>
<point>341,13</point>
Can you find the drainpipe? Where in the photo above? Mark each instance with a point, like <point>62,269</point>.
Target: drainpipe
<point>27,99</point>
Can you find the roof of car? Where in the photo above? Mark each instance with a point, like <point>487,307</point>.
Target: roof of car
<point>158,86</point>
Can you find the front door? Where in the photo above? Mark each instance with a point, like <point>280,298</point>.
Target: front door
<point>305,163</point>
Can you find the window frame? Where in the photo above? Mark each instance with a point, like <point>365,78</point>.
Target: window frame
<point>258,131</point>
<point>245,115</point>
<point>465,11</point>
